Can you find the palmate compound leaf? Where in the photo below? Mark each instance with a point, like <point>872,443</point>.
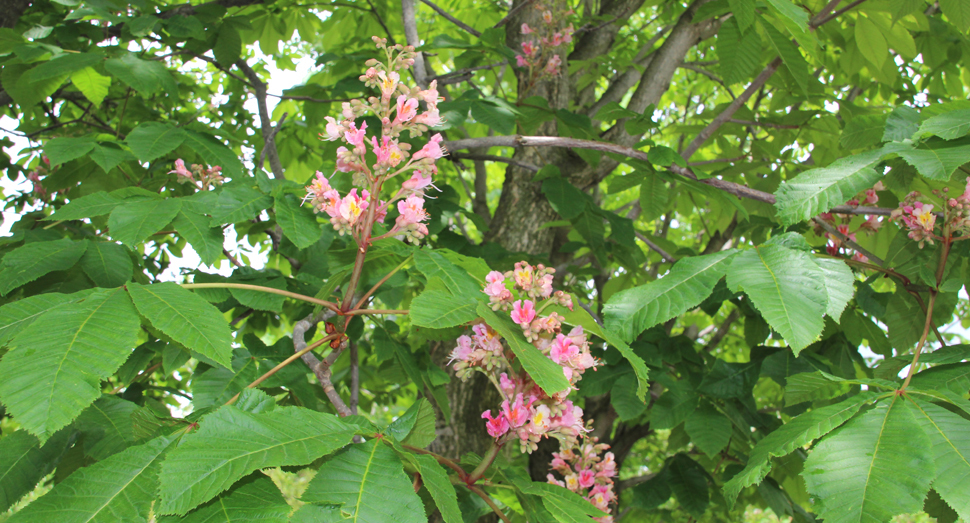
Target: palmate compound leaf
<point>876,466</point>
<point>690,281</point>
<point>787,287</point>
<point>368,481</point>
<point>818,190</point>
<point>546,373</point>
<point>949,434</point>
<point>24,462</point>
<point>793,435</point>
<point>232,443</point>
<point>435,479</point>
<point>54,367</point>
<point>33,260</point>
<point>253,499</point>
<point>185,317</point>
<point>120,488</point>
<point>16,316</point>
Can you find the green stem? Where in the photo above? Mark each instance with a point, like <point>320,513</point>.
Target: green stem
<point>487,461</point>
<point>488,501</point>
<point>922,341</point>
<point>330,305</point>
<point>284,363</point>
<point>384,279</point>
<point>358,312</point>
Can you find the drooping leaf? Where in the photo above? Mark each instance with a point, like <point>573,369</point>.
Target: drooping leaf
<point>787,288</point>
<point>435,266</point>
<point>630,312</point>
<point>653,197</point>
<point>368,481</point>
<point>185,317</point>
<point>546,373</point>
<point>232,443</point>
<point>790,56</point>
<point>674,405</point>
<point>237,203</point>
<point>298,223</point>
<point>438,309</point>
<point>688,483</point>
<point>949,125</point>
<point>442,491</point>
<point>958,13</point>
<point>623,397</point>
<point>876,466</point>
<point>738,52</point>
<point>795,434</point>
<point>62,150</point>
<point>416,427</point>
<point>24,462</point>
<point>89,206</point>
<point>564,197</point>
<point>871,41</point>
<point>144,76</point>
<point>708,429</point>
<point>134,221</point>
<point>107,264</point>
<point>818,190</point>
<point>839,287</point>
<point>950,437</point>
<point>195,228</point>
<point>253,499</point>
<point>107,426</point>
<point>939,163</point>
<point>55,366</point>
<point>152,140</point>
<point>120,488</point>
<point>33,260</point>
<point>93,85</point>
<point>228,46</point>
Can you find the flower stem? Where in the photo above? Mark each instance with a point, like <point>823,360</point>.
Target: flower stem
<point>487,461</point>
<point>330,305</point>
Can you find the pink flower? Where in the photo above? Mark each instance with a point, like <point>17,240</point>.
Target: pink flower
<point>388,83</point>
<point>333,129</point>
<point>462,350</point>
<point>388,153</point>
<point>526,29</point>
<point>430,118</point>
<point>432,149</point>
<point>553,66</point>
<point>563,349</point>
<point>521,61</point>
<point>547,16</point>
<point>352,206</point>
<point>587,478</point>
<point>529,48</point>
<point>407,108</point>
<point>924,217</point>
<point>356,136</point>
<point>516,413</point>
<point>496,426</point>
<point>417,182</point>
<point>346,161</point>
<point>523,314</point>
<point>871,197</point>
<point>180,170</point>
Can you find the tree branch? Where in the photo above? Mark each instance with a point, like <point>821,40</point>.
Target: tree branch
<point>461,25</point>
<point>320,368</point>
<point>411,35</point>
<point>269,133</point>
<point>666,255</point>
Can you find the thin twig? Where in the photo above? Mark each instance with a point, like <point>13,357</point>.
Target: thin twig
<point>245,286</point>
<point>488,501</point>
<point>411,35</point>
<point>763,124</point>
<point>666,255</point>
<point>272,138</point>
<point>461,25</point>
<point>494,158</point>
<point>845,239</point>
<point>266,125</point>
<point>284,363</point>
<point>232,259</point>
<point>511,13</point>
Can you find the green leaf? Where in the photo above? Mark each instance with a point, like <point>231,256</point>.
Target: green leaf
<point>232,443</point>
<point>739,53</point>
<point>438,309</point>
<point>107,426</point>
<point>144,76</point>
<point>623,397</point>
<point>107,264</point>
<point>731,380</point>
<point>743,12</point>
<point>64,64</point>
<point>228,46</point>
<point>109,157</point>
<point>96,204</point>
<point>812,386</point>
<point>185,317</point>
<point>93,85</point>
<point>16,316</point>
<point>949,125</point>
<point>416,427</point>
<point>818,190</point>
<point>298,223</point>
<point>134,221</point>
<point>937,164</point>
<point>238,203</point>
<point>951,453</point>
<point>547,374</point>
<point>185,27</point>
<point>435,266</point>
<point>787,287</point>
<point>589,225</point>
<point>688,482</point>
<point>793,435</point>
<point>260,300</point>
<point>218,385</point>
<point>902,124</point>
<point>876,466</point>
<point>61,150</point>
<point>16,80</point>
<point>564,197</point>
<point>369,483</point>
<point>120,488</point>
<point>214,152</point>
<point>797,15</point>
<point>494,116</point>
<point>632,311</point>
<point>708,429</point>
<point>24,462</point>
<point>839,285</point>
<point>653,197</point>
<point>674,405</point>
<point>55,366</point>
<point>858,327</point>
<point>33,260</point>
<point>870,41</point>
<point>195,228</point>
<point>863,131</point>
<point>565,505</point>
<point>254,499</point>
<point>436,480</point>
<point>958,13</point>
<point>790,56</point>
<point>152,140</point>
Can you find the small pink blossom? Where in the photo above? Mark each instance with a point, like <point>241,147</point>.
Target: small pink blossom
<point>354,136</point>
<point>496,426</point>
<point>526,29</point>
<point>432,149</point>
<point>523,313</point>
<point>407,108</point>
<point>521,61</point>
<point>180,170</point>
<point>529,48</point>
<point>587,478</point>
<point>517,413</point>
<point>333,129</point>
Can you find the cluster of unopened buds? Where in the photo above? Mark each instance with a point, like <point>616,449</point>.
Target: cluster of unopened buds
<point>841,222</point>
<point>528,413</point>
<point>541,53</point>
<point>920,218</point>
<point>398,109</point>
<point>198,175</point>
<point>587,473</point>
<point>35,176</point>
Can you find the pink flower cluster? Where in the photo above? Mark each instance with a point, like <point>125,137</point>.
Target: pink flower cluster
<point>373,160</point>
<point>835,245</point>
<point>199,176</point>
<point>920,218</point>
<point>540,54</point>
<point>35,176</point>
<point>586,473</point>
